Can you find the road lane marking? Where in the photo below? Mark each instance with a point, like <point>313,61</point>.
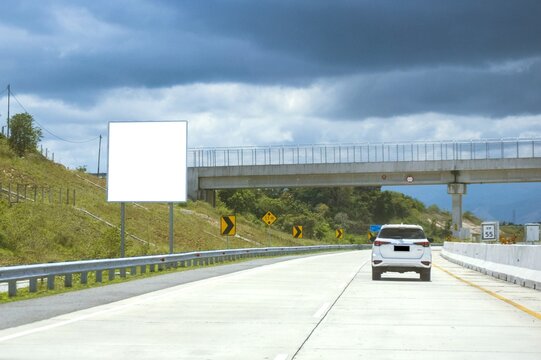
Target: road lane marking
<point>329,308</point>
<point>322,310</point>
<point>531,312</point>
<point>64,322</point>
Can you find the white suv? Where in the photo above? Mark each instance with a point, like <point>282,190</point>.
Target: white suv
<point>401,248</point>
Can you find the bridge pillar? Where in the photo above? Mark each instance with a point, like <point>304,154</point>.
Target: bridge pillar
<point>207,196</point>
<point>193,184</point>
<point>456,190</point>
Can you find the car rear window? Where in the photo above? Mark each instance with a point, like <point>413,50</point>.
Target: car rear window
<point>401,233</point>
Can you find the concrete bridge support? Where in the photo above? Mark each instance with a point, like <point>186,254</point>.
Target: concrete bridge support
<point>208,196</point>
<point>456,190</point>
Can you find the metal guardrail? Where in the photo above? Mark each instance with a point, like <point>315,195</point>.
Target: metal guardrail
<point>32,273</point>
<point>366,152</point>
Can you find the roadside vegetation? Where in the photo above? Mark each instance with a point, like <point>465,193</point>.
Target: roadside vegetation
<point>323,210</point>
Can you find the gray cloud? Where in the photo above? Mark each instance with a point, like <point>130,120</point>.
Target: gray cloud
<point>364,35</point>
<point>127,43</point>
<point>459,91</point>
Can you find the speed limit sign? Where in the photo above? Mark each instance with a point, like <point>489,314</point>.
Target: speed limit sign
<point>490,231</point>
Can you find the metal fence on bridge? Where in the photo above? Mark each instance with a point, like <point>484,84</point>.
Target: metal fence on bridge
<point>359,153</point>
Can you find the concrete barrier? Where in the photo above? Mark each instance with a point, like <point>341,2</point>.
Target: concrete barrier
<point>519,264</point>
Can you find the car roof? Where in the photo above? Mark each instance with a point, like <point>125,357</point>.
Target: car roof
<point>411,226</point>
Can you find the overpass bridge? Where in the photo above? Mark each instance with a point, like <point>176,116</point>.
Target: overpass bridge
<point>455,163</point>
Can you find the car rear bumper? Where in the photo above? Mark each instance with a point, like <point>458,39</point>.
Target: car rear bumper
<point>401,266</point>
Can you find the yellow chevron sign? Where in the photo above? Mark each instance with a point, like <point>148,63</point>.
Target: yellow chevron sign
<point>339,233</point>
<point>228,225</point>
<point>297,232</point>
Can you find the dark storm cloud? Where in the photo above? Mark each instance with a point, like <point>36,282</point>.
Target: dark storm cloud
<point>427,55</point>
<point>358,35</point>
<point>460,91</point>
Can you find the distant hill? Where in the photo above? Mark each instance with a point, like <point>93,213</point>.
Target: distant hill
<point>518,203</point>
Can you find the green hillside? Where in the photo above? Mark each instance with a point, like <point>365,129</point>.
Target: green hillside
<point>44,227</point>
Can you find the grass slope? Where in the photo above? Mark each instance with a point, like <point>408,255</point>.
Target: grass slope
<point>48,230</point>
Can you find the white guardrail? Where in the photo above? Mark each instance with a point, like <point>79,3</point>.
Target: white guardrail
<point>32,273</point>
<point>519,264</point>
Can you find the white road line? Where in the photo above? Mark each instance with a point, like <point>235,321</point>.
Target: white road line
<point>322,310</point>
<point>281,357</point>
<point>65,322</point>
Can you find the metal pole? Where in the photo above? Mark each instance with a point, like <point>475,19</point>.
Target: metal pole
<point>171,223</point>
<point>99,157</point>
<point>122,228</point>
<point>9,98</point>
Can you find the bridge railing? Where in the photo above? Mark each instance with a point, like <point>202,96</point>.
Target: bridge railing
<point>366,152</point>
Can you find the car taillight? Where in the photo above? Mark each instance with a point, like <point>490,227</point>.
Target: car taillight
<point>380,242</point>
<point>423,243</point>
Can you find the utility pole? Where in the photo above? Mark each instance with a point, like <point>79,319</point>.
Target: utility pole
<point>9,99</point>
<point>99,157</point>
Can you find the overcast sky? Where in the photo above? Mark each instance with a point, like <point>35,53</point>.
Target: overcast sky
<point>273,72</point>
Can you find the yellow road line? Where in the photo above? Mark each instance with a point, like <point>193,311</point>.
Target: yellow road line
<point>533,313</point>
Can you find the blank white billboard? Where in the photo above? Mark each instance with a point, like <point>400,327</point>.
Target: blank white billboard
<point>147,161</point>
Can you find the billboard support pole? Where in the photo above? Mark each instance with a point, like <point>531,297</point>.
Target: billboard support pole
<point>122,228</point>
<point>171,213</point>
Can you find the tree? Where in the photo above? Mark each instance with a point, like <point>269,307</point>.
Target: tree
<point>24,136</point>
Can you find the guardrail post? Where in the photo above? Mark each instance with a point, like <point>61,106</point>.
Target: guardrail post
<point>33,285</point>
<point>12,288</point>
<point>151,268</point>
<point>183,264</point>
<point>123,272</point>
<point>50,282</point>
<point>143,269</point>
<point>133,270</point>
<point>68,280</point>
<point>84,277</point>
<point>99,276</point>
<point>111,274</point>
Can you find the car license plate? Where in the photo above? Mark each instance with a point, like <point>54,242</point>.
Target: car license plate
<point>401,248</point>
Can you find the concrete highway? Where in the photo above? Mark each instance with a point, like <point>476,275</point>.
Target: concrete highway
<point>317,307</point>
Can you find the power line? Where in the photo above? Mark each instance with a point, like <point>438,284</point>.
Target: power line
<point>50,132</point>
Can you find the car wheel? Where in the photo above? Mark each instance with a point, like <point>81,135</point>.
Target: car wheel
<point>376,274</point>
<point>425,275</point>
